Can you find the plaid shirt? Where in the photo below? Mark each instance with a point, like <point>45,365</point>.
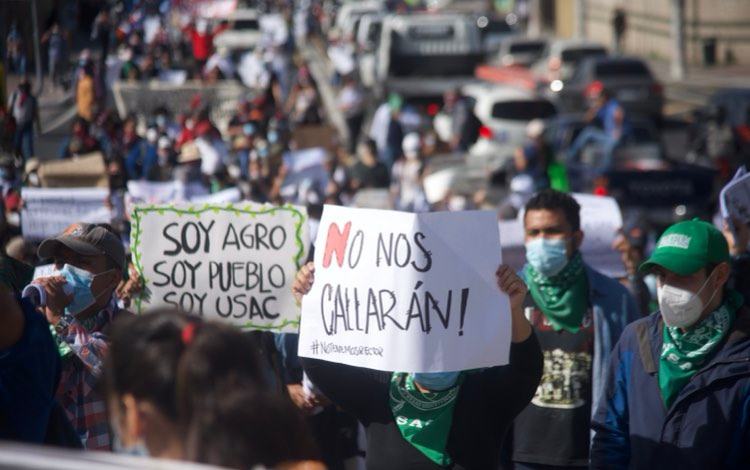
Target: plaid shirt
<point>83,347</point>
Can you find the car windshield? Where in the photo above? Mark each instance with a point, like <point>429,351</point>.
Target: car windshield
<point>495,26</point>
<point>619,69</point>
<point>246,24</point>
<point>523,110</point>
<point>573,56</point>
<point>431,31</point>
<point>526,47</point>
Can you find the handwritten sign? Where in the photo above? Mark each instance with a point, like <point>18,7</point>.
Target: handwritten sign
<point>734,199</point>
<point>234,263</point>
<point>48,211</point>
<point>600,220</point>
<point>406,292</point>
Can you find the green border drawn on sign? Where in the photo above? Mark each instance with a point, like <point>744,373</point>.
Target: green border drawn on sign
<point>136,238</point>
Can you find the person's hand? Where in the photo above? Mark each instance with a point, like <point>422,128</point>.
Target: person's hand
<point>299,398</point>
<point>57,299</point>
<point>738,244</point>
<point>303,281</point>
<point>512,285</point>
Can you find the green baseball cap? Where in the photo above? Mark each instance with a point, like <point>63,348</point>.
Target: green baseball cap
<point>688,246</point>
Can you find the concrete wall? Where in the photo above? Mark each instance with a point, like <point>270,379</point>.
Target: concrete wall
<point>648,27</point>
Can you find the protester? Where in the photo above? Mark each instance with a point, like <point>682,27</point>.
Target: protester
<point>578,315</point>
<point>351,104</point>
<point>15,52</point>
<point>202,40</point>
<point>676,388</point>
<point>29,364</point>
<point>79,304</point>
<point>178,387</point>
<point>534,156</point>
<point>631,243</point>
<point>368,172</point>
<point>476,409</point>
<point>25,110</point>
<point>607,112</point>
<point>386,129</point>
<point>55,39</point>
<point>80,141</point>
<point>86,93</point>
<point>406,177</point>
<point>464,124</point>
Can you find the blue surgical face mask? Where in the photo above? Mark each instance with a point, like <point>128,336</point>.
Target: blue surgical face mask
<point>436,381</point>
<point>161,120</point>
<point>273,137</point>
<point>80,280</point>
<point>547,256</point>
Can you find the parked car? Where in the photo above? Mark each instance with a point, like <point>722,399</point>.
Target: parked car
<point>504,113</point>
<point>629,79</point>
<point>520,51</point>
<point>560,58</point>
<point>243,32</point>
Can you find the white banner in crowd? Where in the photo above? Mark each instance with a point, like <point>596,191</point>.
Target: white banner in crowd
<point>233,263</point>
<point>406,292</point>
<point>600,221</point>
<point>48,211</point>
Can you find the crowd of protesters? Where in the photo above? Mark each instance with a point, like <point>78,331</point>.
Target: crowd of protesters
<point>647,371</point>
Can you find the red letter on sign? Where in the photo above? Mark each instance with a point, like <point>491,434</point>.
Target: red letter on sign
<point>336,242</point>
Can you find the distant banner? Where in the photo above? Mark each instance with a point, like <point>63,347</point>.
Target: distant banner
<point>48,211</point>
<point>145,98</point>
<point>227,262</point>
<point>397,291</point>
<point>219,9</point>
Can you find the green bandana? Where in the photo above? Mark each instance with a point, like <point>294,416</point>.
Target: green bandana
<point>684,353</point>
<point>562,298</point>
<point>424,419</point>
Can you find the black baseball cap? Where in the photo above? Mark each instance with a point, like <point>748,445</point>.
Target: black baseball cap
<point>86,240</point>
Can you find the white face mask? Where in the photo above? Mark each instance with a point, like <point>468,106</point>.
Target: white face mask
<point>680,308</point>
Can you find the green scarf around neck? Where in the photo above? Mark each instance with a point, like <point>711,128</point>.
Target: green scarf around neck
<point>562,298</point>
<point>424,419</point>
<point>685,352</point>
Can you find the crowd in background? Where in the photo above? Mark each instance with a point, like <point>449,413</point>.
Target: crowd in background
<point>171,385</point>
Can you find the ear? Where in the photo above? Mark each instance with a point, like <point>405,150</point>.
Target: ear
<point>722,273</point>
<point>577,239</point>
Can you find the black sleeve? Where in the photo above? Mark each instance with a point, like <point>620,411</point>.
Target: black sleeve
<point>362,392</point>
<point>512,386</point>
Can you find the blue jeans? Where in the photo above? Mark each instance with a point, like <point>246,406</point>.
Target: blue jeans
<point>588,136</point>
<point>23,141</point>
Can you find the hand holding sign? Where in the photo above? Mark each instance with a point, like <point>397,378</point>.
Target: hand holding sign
<point>406,292</point>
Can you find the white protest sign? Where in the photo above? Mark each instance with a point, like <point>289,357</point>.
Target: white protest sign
<point>735,199</point>
<point>397,291</point>
<point>600,220</point>
<point>234,263</point>
<point>511,240</point>
<point>48,211</point>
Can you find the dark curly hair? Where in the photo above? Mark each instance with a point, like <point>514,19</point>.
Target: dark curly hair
<point>551,200</point>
